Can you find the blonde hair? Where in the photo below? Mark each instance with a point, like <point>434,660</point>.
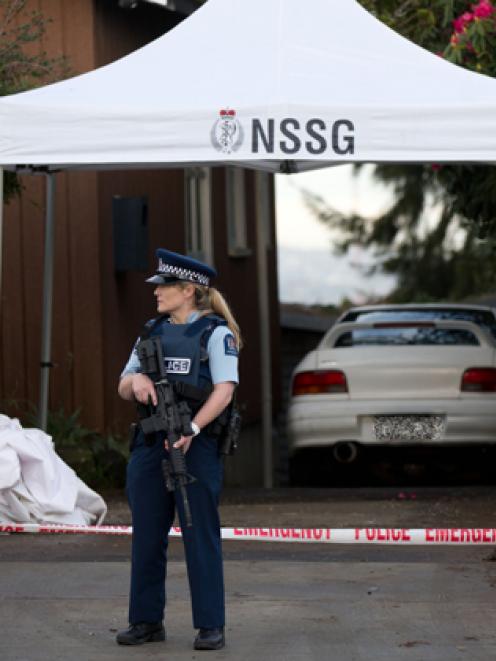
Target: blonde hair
<point>209,300</point>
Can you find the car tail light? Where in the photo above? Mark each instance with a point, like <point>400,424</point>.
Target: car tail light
<point>318,382</point>
<point>479,379</point>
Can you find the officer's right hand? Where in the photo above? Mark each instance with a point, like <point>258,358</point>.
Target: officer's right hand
<point>143,389</point>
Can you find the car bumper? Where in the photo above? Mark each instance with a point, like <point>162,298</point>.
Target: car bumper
<point>315,421</point>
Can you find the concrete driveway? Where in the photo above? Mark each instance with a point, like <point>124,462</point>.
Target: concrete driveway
<point>64,598</point>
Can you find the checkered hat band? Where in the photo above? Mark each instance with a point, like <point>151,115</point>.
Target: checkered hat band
<point>182,273</point>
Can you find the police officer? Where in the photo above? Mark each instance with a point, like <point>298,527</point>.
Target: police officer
<point>200,340</point>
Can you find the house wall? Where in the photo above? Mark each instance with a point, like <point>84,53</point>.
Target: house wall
<point>76,345</point>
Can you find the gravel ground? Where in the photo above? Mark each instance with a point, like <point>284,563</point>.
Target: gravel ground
<point>342,508</point>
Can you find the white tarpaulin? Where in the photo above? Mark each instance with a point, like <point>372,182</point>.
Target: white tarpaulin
<point>280,84</point>
<point>36,485</point>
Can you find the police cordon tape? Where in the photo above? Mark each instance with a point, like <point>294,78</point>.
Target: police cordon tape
<point>398,536</point>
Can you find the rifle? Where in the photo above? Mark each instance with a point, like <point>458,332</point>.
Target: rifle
<point>170,416</point>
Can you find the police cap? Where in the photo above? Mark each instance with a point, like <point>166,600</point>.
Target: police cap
<point>173,267</point>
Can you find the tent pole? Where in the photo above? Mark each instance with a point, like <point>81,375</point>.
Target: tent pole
<point>46,327</point>
<point>263,223</point>
<point>1,232</point>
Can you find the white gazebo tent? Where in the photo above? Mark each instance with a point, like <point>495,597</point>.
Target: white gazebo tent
<point>277,85</point>
<point>310,83</point>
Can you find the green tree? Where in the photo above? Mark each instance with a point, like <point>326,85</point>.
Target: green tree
<point>455,258</point>
<point>20,69</point>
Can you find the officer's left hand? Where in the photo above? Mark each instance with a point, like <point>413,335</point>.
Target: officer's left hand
<point>184,442</point>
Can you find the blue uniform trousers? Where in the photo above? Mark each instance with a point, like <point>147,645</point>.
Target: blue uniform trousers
<point>152,508</point>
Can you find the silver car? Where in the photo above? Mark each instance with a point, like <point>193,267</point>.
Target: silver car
<point>400,375</point>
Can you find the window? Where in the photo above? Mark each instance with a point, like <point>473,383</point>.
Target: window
<point>198,205</point>
<point>236,212</point>
<point>483,318</point>
<point>406,337</point>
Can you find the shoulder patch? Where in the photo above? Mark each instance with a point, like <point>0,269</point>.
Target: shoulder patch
<point>230,348</point>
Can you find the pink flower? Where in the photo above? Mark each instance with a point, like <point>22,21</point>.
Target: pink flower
<point>454,40</point>
<point>462,21</point>
<point>483,10</point>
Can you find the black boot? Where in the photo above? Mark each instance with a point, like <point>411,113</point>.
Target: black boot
<point>143,632</point>
<point>209,639</point>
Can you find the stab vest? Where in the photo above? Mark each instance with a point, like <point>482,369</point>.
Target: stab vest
<point>185,352</point>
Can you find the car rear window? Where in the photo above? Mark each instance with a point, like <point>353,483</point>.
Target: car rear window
<point>483,318</point>
<point>406,336</point>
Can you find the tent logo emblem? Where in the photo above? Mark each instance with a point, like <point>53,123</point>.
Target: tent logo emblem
<point>227,133</point>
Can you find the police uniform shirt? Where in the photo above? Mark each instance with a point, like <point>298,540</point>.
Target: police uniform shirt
<point>222,354</point>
